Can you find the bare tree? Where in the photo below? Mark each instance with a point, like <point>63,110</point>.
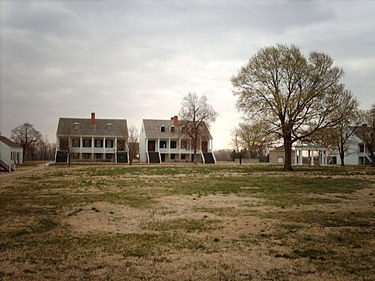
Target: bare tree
<point>237,144</point>
<point>255,137</point>
<point>133,143</point>
<point>295,95</point>
<point>26,136</point>
<point>196,115</point>
<point>339,136</point>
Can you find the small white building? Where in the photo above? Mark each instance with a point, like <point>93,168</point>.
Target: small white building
<point>11,154</point>
<point>165,141</point>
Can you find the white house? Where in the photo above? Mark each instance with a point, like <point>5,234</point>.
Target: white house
<point>10,154</point>
<point>164,141</point>
<point>357,152</point>
<point>92,140</point>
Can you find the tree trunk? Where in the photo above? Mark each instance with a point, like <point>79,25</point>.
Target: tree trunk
<point>288,153</point>
<point>342,158</point>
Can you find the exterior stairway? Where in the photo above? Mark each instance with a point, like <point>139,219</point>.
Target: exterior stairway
<point>7,166</point>
<point>153,157</point>
<point>122,157</point>
<point>62,157</point>
<point>209,158</point>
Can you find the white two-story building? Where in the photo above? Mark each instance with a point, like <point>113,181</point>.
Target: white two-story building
<point>92,140</point>
<point>164,141</point>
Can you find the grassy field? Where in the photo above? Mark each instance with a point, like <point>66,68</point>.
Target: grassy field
<point>194,222</point>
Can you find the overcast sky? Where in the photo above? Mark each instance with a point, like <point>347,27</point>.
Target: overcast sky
<point>138,59</point>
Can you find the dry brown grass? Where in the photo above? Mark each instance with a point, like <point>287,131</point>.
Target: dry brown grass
<point>187,223</point>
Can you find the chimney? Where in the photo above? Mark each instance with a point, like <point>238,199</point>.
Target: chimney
<point>93,120</point>
<point>174,120</point>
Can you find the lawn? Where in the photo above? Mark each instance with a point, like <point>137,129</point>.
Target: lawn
<point>193,222</point>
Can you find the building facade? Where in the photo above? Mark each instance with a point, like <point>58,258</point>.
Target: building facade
<point>358,152</point>
<point>11,154</point>
<point>92,140</point>
<point>165,141</point>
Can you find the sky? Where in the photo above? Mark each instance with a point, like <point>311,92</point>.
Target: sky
<point>138,59</point>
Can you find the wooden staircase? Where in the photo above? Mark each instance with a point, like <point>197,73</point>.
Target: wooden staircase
<point>122,157</point>
<point>208,158</point>
<point>61,156</point>
<point>7,166</point>
<point>153,157</point>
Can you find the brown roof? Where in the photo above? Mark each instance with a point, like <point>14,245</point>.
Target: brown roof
<point>8,142</point>
<point>152,129</point>
<point>84,127</point>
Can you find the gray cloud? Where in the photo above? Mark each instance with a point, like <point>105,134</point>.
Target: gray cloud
<point>135,60</point>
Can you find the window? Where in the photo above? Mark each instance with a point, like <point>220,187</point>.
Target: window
<point>87,143</point>
<point>76,126</point>
<point>109,156</point>
<point>86,156</point>
<point>173,144</point>
<point>121,145</point>
<point>108,127</point>
<point>173,129</point>
<point>108,143</point>
<point>163,144</point>
<point>75,155</point>
<point>184,144</point>
<point>98,143</point>
<point>98,156</point>
<point>183,156</point>
<point>173,156</point>
<point>75,142</point>
<point>162,128</point>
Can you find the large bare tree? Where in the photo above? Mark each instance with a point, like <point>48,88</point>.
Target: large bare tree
<point>196,115</point>
<point>26,136</point>
<point>294,94</point>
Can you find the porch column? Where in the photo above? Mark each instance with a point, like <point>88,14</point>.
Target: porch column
<point>80,147</point>
<point>115,147</point>
<point>312,157</point>
<point>300,158</point>
<point>92,148</point>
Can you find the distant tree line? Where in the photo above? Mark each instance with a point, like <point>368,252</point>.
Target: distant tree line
<point>34,146</point>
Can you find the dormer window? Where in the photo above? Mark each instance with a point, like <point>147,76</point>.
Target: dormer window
<point>162,128</point>
<point>76,126</point>
<point>109,127</point>
<point>172,129</point>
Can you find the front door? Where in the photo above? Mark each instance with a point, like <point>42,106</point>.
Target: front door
<point>151,145</point>
<point>162,156</point>
<point>204,146</point>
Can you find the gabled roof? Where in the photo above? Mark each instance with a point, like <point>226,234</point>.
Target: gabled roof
<point>84,127</point>
<point>10,143</point>
<point>152,129</point>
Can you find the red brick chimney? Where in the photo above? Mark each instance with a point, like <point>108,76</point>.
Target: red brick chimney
<point>93,120</point>
<point>174,120</point>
